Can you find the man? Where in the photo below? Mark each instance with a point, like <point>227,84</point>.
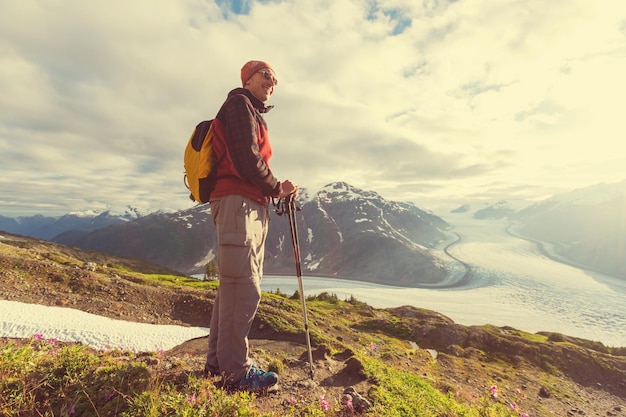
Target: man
<point>240,211</point>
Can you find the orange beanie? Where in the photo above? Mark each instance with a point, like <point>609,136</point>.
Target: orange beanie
<point>250,67</point>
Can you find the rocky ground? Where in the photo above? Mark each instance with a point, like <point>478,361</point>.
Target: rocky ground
<point>462,360</point>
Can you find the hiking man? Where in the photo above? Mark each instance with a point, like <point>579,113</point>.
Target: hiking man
<point>240,211</point>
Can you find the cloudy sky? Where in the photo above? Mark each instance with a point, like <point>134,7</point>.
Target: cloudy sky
<point>426,101</point>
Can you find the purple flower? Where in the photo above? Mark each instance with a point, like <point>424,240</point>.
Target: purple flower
<point>70,411</point>
<point>324,403</point>
<point>192,398</point>
<point>349,404</point>
<point>494,391</point>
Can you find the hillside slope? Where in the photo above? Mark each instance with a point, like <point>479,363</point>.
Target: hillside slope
<point>555,374</point>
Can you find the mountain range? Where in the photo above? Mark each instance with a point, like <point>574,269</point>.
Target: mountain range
<point>344,232</point>
<point>586,226</point>
<point>352,233</point>
<point>46,227</point>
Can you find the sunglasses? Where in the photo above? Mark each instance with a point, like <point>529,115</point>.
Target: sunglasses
<point>268,76</point>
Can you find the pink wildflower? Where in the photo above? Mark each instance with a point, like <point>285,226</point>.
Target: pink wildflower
<point>53,340</point>
<point>38,336</point>
<point>524,415</point>
<point>349,404</point>
<point>514,406</point>
<point>324,404</point>
<point>192,398</point>
<point>69,411</point>
<point>372,346</point>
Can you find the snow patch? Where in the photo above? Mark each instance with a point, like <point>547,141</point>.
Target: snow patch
<point>69,325</point>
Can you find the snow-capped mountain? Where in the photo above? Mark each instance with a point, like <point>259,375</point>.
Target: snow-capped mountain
<point>464,208</point>
<point>499,210</point>
<point>343,231</point>
<point>587,226</point>
<point>349,232</point>
<point>45,227</point>
<point>584,199</point>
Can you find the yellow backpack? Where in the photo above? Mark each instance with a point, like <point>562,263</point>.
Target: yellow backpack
<point>200,164</point>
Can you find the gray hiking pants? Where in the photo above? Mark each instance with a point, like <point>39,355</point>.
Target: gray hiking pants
<point>241,226</point>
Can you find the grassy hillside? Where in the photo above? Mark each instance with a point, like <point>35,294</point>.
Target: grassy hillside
<point>374,362</point>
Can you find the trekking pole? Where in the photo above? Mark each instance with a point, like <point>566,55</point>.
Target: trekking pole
<point>289,206</point>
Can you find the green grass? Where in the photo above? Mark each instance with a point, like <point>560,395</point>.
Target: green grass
<point>54,379</point>
<point>402,393</point>
<point>176,281</point>
<point>46,378</point>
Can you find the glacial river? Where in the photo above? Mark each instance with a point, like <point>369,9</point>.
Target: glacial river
<point>501,280</point>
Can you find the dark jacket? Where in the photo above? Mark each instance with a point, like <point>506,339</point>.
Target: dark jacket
<point>241,143</point>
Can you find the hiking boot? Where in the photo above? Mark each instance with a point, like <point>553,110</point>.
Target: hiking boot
<point>257,380</point>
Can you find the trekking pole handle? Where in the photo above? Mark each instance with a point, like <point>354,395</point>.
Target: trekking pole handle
<point>285,204</point>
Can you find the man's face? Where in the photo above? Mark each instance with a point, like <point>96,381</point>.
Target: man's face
<point>262,83</point>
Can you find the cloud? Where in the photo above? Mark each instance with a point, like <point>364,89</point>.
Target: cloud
<point>414,100</point>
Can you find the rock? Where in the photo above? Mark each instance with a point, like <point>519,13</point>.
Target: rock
<point>544,392</point>
<point>433,353</point>
<point>89,266</point>
<point>360,404</point>
<point>308,384</point>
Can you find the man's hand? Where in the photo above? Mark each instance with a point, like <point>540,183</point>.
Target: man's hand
<point>287,188</point>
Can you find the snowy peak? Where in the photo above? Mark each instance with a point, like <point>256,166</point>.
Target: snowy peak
<point>341,191</point>
<point>592,195</point>
<point>45,227</point>
<point>585,224</point>
<point>126,213</point>
<point>498,210</point>
<point>580,199</point>
<point>462,209</point>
